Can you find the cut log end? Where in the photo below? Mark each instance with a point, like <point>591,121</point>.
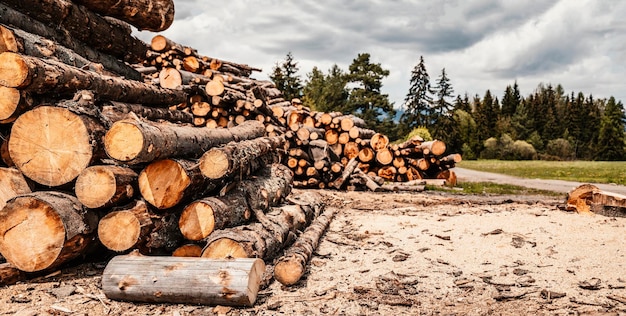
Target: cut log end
<point>214,164</point>
<point>197,221</point>
<point>288,272</point>
<point>95,187</point>
<point>124,141</point>
<point>224,248</point>
<point>50,145</point>
<point>159,43</point>
<point>10,98</point>
<point>188,250</point>
<point>14,72</point>
<point>115,222</point>
<point>161,183</point>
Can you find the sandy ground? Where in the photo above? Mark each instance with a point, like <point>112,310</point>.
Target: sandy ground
<point>409,254</point>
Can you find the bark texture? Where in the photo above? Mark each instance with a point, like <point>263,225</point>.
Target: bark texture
<point>151,15</point>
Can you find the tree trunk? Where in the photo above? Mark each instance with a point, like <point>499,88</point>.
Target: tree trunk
<point>45,76</point>
<point>236,159</point>
<point>151,15</point>
<point>168,182</point>
<point>42,230</point>
<point>12,184</point>
<point>105,35</point>
<point>181,280</point>
<point>134,141</point>
<point>292,265</point>
<point>53,145</point>
<point>19,41</point>
<point>117,111</point>
<point>105,186</point>
<point>257,240</point>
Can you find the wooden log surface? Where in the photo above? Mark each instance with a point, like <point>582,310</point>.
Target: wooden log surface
<point>105,186</point>
<point>136,141</point>
<point>116,111</point>
<point>151,15</point>
<point>12,184</point>
<point>103,34</point>
<point>170,279</point>
<point>43,229</point>
<point>44,76</point>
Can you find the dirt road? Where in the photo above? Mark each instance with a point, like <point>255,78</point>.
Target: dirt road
<point>550,185</point>
<point>430,253</point>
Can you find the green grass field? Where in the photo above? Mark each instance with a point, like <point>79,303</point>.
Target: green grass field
<point>582,171</point>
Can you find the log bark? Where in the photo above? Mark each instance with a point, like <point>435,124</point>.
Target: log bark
<point>53,145</point>
<point>42,230</point>
<point>135,141</point>
<point>258,240</point>
<point>117,111</point>
<point>268,188</point>
<point>237,158</point>
<point>105,186</point>
<point>168,182</point>
<point>105,35</point>
<point>291,266</point>
<point>151,15</point>
<point>12,184</point>
<point>49,76</point>
<point>19,41</point>
<point>347,172</point>
<point>169,280</point>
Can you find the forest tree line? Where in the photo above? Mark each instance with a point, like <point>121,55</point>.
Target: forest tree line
<point>548,124</point>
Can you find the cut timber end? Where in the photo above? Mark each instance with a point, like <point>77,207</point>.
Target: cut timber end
<point>288,272</point>
<point>224,248</point>
<point>159,43</point>
<point>214,88</point>
<point>50,145</point>
<point>124,221</point>
<point>124,141</point>
<point>10,98</point>
<point>8,43</point>
<point>14,72</point>
<point>214,164</point>
<point>188,250</point>
<point>197,221</point>
<point>12,184</point>
<point>97,186</point>
<point>162,183</point>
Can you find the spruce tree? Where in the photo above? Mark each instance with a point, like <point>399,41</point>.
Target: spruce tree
<point>285,77</point>
<point>441,120</point>
<point>611,136</point>
<point>326,93</point>
<point>417,104</point>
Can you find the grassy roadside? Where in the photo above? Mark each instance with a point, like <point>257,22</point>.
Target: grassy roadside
<point>582,171</point>
<point>491,188</point>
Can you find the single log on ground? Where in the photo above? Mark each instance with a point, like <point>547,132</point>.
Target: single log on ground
<point>397,187</point>
<point>166,183</point>
<point>24,23</point>
<point>292,265</point>
<point>258,240</point>
<point>105,186</point>
<point>135,141</point>
<point>588,198</point>
<point>117,111</point>
<point>237,157</point>
<point>53,145</point>
<point>181,280</point>
<point>42,230</point>
<point>106,35</point>
<point>12,184</point>
<point>47,76</point>
<point>151,15</point>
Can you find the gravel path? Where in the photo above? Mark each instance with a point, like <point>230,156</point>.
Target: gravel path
<point>551,185</point>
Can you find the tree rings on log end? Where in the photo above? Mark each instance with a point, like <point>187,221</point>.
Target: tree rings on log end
<point>50,145</point>
<point>14,72</point>
<point>112,224</point>
<point>10,98</point>
<point>124,141</point>
<point>162,183</point>
<point>214,164</point>
<point>288,272</point>
<point>224,248</point>
<point>197,221</point>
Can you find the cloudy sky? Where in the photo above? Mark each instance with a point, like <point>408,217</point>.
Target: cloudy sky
<point>482,44</point>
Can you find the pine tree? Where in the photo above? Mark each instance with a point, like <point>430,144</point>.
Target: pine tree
<point>286,79</point>
<point>366,100</point>
<point>442,121</point>
<point>611,136</point>
<point>511,100</point>
<point>417,109</point>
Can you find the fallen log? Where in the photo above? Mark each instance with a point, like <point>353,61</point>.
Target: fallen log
<point>589,199</point>
<point>50,76</point>
<point>265,240</point>
<point>168,280</point>
<point>237,158</point>
<point>105,186</point>
<point>52,145</point>
<point>290,267</point>
<point>42,230</point>
<point>135,141</point>
<point>151,15</point>
<point>12,184</point>
<point>105,35</point>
